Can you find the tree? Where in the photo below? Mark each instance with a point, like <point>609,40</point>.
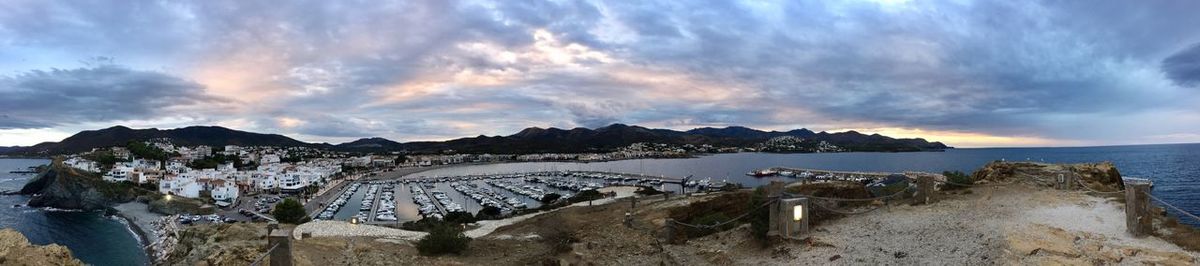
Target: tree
<point>290,211</point>
<point>443,239</point>
<point>459,218</point>
<point>488,212</point>
<point>550,198</point>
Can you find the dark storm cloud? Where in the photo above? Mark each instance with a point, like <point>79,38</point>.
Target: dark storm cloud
<point>1184,67</point>
<point>39,99</point>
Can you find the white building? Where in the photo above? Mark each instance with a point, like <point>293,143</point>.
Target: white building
<point>82,164</point>
<point>223,191</point>
<point>119,173</point>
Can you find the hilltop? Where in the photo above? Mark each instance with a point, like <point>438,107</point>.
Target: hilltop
<point>1010,217</point>
<point>529,140</point>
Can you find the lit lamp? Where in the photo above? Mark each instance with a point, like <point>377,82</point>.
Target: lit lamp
<point>354,220</point>
<point>167,197</point>
<point>799,223</point>
<point>798,213</point>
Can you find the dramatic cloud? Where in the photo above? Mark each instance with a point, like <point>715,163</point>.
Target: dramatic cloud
<point>41,99</point>
<point>1184,67</point>
<point>976,73</point>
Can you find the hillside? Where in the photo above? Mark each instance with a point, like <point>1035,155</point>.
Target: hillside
<point>529,140</point>
<point>194,135</point>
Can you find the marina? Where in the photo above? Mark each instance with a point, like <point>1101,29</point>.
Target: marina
<point>378,201</point>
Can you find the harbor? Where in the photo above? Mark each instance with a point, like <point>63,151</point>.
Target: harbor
<point>390,201</point>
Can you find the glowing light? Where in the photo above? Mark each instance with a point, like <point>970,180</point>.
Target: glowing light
<point>167,198</point>
<point>798,212</point>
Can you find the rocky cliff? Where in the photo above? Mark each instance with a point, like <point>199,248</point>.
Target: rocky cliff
<point>15,249</point>
<point>1100,176</point>
<point>62,187</point>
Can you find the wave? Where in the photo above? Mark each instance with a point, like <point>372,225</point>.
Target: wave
<point>53,209</point>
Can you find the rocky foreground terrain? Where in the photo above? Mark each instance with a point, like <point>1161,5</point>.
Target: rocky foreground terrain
<point>1012,216</point>
<point>15,249</point>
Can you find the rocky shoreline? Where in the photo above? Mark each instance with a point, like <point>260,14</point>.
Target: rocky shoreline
<point>15,249</point>
<point>154,231</point>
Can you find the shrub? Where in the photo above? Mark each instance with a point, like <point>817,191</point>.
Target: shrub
<point>488,213</point>
<point>550,198</point>
<point>646,191</point>
<point>443,239</point>
<point>558,238</point>
<point>710,219</point>
<point>459,218</point>
<point>290,211</point>
<point>759,224</point>
<point>957,177</point>
<point>586,195</point>
<point>423,225</point>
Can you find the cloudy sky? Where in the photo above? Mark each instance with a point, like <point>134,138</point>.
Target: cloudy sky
<point>996,73</point>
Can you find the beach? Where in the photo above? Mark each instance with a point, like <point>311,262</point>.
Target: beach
<point>143,223</point>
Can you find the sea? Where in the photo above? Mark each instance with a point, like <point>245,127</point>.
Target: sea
<point>92,237</point>
<point>1174,168</point>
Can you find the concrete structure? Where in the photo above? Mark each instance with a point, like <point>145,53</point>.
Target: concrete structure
<point>1138,219</point>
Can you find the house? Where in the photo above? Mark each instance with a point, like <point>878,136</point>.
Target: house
<point>223,191</point>
<point>82,164</point>
<point>268,159</point>
<point>119,173</point>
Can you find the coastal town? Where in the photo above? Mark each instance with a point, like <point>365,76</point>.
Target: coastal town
<point>580,133</point>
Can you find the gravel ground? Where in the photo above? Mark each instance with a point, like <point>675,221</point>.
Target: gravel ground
<point>344,229</point>
<point>957,230</point>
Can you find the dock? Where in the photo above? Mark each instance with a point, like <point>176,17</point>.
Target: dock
<point>436,203</point>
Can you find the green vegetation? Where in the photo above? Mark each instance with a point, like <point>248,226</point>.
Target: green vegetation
<point>958,180</point>
<point>141,150</point>
<point>586,195</point>
<point>710,219</point>
<point>290,211</point>
<point>759,224</point>
<point>217,159</point>
<point>459,218</point>
<point>488,213</point>
<point>646,191</point>
<point>443,239</point>
<point>105,158</point>
<point>550,198</point>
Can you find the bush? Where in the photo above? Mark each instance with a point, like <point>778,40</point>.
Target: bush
<point>957,177</point>
<point>586,195</point>
<point>423,225</point>
<point>710,219</point>
<point>459,218</point>
<point>759,224</point>
<point>443,239</point>
<point>558,238</point>
<point>488,213</point>
<point>550,198</point>
<point>647,191</point>
<point>290,211</point>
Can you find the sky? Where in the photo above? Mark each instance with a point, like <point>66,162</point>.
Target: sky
<point>967,73</point>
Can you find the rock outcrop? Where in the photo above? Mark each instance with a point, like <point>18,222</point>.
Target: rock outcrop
<point>1100,176</point>
<point>15,249</point>
<point>62,187</point>
<point>1046,245</point>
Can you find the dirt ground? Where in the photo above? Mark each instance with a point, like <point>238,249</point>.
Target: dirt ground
<point>993,224</point>
<point>999,224</point>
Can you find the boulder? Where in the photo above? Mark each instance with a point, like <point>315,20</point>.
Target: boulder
<point>1042,240</point>
<point>1102,175</point>
<point>15,249</point>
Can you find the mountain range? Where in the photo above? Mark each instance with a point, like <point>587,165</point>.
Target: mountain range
<point>529,140</point>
